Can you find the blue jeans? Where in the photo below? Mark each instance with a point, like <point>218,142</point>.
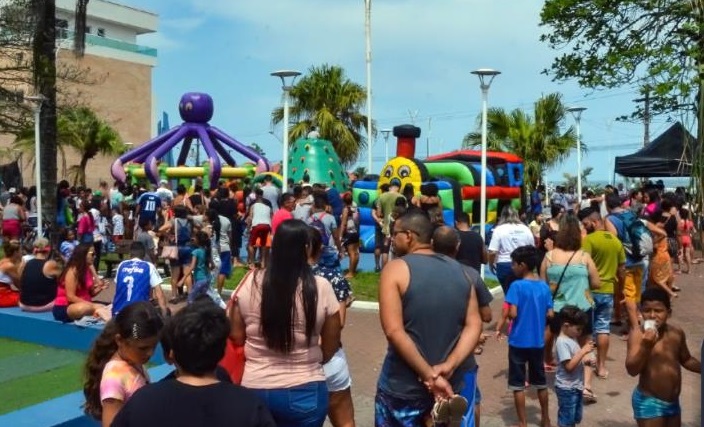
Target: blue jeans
<point>569,403</point>
<point>504,274</point>
<point>302,406</point>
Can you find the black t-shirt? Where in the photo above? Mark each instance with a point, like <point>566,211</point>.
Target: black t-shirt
<point>471,249</point>
<point>175,404</point>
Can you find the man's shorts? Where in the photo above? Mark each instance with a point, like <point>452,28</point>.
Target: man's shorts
<point>337,372</point>
<point>517,360</point>
<point>259,235</point>
<point>390,411</point>
<point>379,238</point>
<point>632,283</point>
<point>226,263</point>
<point>603,310</point>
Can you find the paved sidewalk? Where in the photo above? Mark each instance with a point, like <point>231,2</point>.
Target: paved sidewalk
<point>365,346</point>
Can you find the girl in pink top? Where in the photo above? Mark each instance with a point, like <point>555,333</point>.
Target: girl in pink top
<point>288,321</point>
<point>78,284</point>
<point>115,366</point>
<point>86,224</point>
<point>686,228</point>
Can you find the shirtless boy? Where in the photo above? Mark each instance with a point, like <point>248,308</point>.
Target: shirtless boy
<point>655,354</point>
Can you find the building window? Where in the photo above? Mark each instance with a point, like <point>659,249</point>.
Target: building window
<point>61,29</point>
<point>101,32</point>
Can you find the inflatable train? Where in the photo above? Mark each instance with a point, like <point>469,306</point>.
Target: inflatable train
<point>457,175</point>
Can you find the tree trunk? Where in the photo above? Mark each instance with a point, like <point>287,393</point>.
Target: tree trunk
<point>44,53</point>
<point>82,170</point>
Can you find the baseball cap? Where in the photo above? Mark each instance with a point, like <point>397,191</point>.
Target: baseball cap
<point>163,181</point>
<point>12,190</point>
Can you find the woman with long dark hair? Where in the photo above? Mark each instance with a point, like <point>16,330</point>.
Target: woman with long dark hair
<point>78,284</point>
<point>288,321</point>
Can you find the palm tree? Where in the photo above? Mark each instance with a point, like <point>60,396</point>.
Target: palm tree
<point>327,100</point>
<point>80,129</point>
<point>539,139</point>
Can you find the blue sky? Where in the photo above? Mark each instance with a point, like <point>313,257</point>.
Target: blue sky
<point>423,53</point>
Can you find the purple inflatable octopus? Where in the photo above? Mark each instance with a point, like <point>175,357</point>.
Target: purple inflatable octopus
<point>196,110</point>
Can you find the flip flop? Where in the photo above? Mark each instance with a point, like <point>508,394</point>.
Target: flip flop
<point>588,396</point>
<point>603,376</point>
<point>450,411</point>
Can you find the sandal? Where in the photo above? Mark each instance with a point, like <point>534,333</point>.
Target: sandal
<point>588,396</point>
<point>450,411</point>
<point>676,288</point>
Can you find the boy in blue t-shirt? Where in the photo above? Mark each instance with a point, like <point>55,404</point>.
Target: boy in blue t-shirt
<point>530,303</point>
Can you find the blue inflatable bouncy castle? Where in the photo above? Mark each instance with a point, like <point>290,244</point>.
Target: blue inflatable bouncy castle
<point>456,174</point>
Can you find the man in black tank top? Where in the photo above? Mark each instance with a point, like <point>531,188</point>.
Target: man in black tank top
<point>431,320</point>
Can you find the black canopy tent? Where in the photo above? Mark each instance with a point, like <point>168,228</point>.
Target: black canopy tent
<point>668,155</point>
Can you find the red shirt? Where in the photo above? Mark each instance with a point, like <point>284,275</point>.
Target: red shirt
<point>280,216</point>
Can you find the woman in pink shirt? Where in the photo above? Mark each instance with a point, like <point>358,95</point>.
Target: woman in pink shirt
<point>86,224</point>
<point>78,284</point>
<point>288,321</point>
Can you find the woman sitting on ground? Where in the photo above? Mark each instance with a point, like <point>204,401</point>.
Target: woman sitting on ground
<point>38,281</point>
<point>289,322</point>
<point>9,274</point>
<point>78,284</point>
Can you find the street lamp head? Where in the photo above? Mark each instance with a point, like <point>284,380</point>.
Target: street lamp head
<point>285,74</point>
<point>486,76</point>
<point>385,133</point>
<point>576,112</point>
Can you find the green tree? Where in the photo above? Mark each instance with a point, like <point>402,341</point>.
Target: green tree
<point>571,180</point>
<point>538,139</point>
<point>79,129</point>
<point>258,149</point>
<point>653,44</point>
<point>327,100</point>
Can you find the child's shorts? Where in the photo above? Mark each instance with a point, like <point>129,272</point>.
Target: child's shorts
<point>517,360</point>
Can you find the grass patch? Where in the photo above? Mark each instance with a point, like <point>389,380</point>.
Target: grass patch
<point>365,285</point>
<point>31,382</point>
<point>26,391</point>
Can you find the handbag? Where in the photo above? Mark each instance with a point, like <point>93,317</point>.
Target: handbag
<point>170,252</point>
<point>233,360</point>
<point>554,287</point>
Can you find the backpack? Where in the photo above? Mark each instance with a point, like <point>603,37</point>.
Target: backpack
<point>317,223</point>
<point>635,236</point>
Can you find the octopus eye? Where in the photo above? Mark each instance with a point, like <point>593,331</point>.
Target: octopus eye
<point>404,171</point>
<point>388,171</point>
<point>189,106</point>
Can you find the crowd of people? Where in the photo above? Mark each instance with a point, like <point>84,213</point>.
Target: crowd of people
<point>562,278</point>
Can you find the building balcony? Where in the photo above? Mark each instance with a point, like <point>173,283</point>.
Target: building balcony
<point>66,36</point>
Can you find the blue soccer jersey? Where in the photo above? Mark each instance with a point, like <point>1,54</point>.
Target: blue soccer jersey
<point>148,203</point>
<point>133,282</point>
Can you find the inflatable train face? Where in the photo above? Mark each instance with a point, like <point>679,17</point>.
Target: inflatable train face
<point>402,171</point>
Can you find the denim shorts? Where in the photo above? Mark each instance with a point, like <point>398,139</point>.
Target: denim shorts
<point>603,309</point>
<point>337,372</point>
<point>518,358</point>
<point>301,406</point>
<point>569,406</point>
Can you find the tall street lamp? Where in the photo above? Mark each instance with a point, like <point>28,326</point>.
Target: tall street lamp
<point>577,114</point>
<point>385,133</point>
<point>368,56</point>
<point>37,101</point>
<point>486,76</point>
<point>284,75</point>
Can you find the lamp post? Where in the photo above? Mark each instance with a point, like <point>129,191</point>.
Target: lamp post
<point>37,102</point>
<point>368,56</point>
<point>486,76</point>
<point>577,114</point>
<point>385,133</point>
<point>284,75</point>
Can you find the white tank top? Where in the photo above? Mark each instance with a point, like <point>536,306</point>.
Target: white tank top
<point>261,214</point>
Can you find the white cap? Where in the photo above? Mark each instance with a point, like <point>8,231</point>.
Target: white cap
<point>12,190</point>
